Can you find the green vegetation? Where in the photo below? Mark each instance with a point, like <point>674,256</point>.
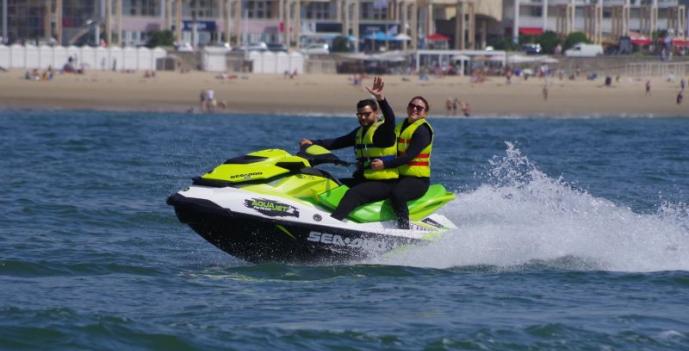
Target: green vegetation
<point>341,44</point>
<point>160,38</point>
<point>575,38</point>
<point>548,40</point>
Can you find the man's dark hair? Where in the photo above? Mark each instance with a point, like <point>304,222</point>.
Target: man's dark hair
<point>367,102</point>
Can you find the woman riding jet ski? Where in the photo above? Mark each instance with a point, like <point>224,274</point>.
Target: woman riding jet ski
<point>270,205</point>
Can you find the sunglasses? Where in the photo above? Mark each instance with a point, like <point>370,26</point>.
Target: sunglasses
<point>416,107</point>
<point>363,114</point>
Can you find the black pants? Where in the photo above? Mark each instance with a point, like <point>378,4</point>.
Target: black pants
<point>406,189</point>
<point>362,192</point>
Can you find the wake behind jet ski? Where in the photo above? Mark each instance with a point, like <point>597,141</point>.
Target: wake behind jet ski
<point>270,205</point>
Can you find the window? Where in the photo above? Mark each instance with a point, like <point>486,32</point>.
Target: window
<point>535,11</point>
<point>319,10</point>
<point>140,7</point>
<point>201,8</point>
<point>259,9</point>
<point>373,11</point>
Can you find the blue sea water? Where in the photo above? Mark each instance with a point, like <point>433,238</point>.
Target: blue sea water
<point>573,235</point>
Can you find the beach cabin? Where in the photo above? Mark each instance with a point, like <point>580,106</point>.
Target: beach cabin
<point>256,62</point>
<point>296,62</point>
<point>102,59</point>
<point>88,57</point>
<point>45,56</point>
<point>4,57</point>
<point>31,54</point>
<point>281,62</point>
<point>130,62</point>
<point>268,62</point>
<point>59,57</point>
<point>17,58</point>
<point>214,59</point>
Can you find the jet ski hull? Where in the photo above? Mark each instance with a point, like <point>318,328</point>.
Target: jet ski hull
<point>258,239</point>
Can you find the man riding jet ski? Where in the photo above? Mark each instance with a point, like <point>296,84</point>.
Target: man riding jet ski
<point>270,205</point>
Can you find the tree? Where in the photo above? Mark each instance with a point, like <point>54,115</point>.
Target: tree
<point>575,38</point>
<point>341,44</point>
<point>160,38</point>
<point>548,41</point>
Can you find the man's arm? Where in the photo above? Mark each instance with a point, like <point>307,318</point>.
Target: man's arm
<point>385,134</point>
<point>339,142</point>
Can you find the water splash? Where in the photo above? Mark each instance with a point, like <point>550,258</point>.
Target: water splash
<point>520,216</point>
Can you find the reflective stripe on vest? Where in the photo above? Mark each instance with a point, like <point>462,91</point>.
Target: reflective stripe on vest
<point>365,152</point>
<point>419,166</point>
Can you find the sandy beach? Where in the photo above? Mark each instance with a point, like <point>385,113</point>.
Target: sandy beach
<point>335,94</point>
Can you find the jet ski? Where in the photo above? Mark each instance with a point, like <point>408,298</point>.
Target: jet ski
<point>270,205</point>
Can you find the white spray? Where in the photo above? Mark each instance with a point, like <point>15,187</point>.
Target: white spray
<point>523,216</point>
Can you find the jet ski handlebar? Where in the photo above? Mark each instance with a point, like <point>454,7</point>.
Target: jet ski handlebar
<point>317,155</point>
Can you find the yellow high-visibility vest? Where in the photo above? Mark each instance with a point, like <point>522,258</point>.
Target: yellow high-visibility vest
<point>365,152</point>
<point>419,166</point>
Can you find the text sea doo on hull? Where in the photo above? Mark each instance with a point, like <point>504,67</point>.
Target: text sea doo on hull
<point>270,205</point>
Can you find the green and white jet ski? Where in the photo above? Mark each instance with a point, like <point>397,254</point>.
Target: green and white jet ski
<point>270,205</point>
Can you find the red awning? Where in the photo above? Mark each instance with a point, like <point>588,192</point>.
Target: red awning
<point>641,41</point>
<point>680,42</point>
<point>530,31</point>
<point>437,37</point>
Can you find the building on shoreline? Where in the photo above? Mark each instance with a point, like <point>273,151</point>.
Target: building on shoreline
<point>414,24</point>
<point>601,20</point>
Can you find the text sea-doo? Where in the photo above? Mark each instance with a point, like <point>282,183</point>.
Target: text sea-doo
<point>270,205</point>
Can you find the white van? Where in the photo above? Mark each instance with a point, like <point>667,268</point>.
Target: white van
<point>584,50</point>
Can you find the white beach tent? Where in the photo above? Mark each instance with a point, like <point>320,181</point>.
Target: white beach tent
<point>4,56</point>
<point>130,58</point>
<point>296,62</point>
<point>214,59</point>
<point>144,59</point>
<point>45,56</point>
<point>88,57</point>
<point>268,62</point>
<point>102,58</point>
<point>281,62</point>
<point>255,58</point>
<point>116,58</point>
<point>402,37</point>
<point>17,56</point>
<point>156,54</point>
<point>75,53</point>
<point>31,54</point>
<point>59,57</point>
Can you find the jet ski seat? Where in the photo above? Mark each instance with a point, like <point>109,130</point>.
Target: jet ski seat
<point>435,197</point>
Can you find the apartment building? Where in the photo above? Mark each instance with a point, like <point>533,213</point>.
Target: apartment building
<point>462,23</point>
<point>602,20</point>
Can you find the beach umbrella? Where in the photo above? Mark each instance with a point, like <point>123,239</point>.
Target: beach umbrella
<point>402,37</point>
<point>437,37</point>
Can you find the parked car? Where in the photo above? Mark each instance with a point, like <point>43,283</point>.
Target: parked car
<point>184,47</point>
<point>277,47</point>
<point>584,50</point>
<point>260,46</point>
<point>225,46</point>
<point>316,49</point>
<point>532,49</point>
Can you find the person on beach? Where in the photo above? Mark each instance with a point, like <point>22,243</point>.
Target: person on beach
<point>466,109</point>
<point>372,139</point>
<point>648,87</point>
<point>414,146</point>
